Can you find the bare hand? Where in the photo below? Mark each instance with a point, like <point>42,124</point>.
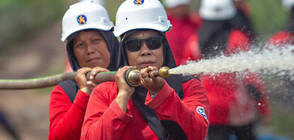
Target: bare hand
<point>95,71</point>
<point>150,81</point>
<point>121,82</point>
<point>81,79</point>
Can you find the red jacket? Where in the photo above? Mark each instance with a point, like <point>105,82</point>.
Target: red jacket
<point>230,103</point>
<point>178,36</point>
<point>66,118</point>
<point>105,120</point>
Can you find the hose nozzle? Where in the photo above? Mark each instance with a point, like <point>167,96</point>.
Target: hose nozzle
<point>133,74</point>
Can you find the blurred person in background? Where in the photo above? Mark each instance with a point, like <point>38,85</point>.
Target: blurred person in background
<point>182,26</point>
<point>285,39</point>
<point>286,35</point>
<point>242,21</point>
<point>237,100</point>
<point>67,67</point>
<point>172,108</point>
<point>91,47</point>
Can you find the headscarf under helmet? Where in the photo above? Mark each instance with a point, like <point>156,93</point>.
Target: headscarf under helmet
<point>112,44</point>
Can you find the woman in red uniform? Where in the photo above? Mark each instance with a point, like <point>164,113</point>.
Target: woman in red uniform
<point>242,21</point>
<point>172,108</point>
<point>91,46</point>
<point>236,100</point>
<point>183,27</point>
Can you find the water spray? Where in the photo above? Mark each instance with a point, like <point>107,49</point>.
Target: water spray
<point>132,78</point>
<point>266,62</point>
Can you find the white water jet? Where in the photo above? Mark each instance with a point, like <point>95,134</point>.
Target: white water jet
<point>265,62</point>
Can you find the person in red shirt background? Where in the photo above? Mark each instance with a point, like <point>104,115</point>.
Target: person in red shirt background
<point>284,39</point>
<point>91,47</point>
<point>172,108</point>
<point>237,100</point>
<point>182,27</point>
<point>242,21</point>
<point>285,36</point>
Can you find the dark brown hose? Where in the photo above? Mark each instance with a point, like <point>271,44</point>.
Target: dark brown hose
<point>50,80</point>
<point>132,78</point>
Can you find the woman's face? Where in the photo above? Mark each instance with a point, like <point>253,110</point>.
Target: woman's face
<point>90,49</point>
<point>144,48</point>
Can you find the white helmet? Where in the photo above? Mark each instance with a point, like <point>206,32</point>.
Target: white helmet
<point>217,9</point>
<point>287,4</point>
<point>85,15</point>
<point>175,3</point>
<point>101,2</point>
<point>140,14</point>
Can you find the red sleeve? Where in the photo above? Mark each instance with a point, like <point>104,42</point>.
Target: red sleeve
<point>104,119</point>
<point>191,113</point>
<point>66,118</point>
<point>280,39</point>
<point>238,42</point>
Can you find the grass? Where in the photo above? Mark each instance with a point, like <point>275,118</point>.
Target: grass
<point>282,122</point>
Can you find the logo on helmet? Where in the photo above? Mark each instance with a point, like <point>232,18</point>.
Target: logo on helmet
<point>82,19</point>
<point>138,2</point>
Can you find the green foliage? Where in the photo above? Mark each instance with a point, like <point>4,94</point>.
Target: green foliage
<point>282,121</point>
<point>267,16</point>
<point>112,7</point>
<point>8,3</point>
<point>20,17</point>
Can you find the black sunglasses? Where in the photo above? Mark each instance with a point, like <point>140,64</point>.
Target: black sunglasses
<point>153,43</point>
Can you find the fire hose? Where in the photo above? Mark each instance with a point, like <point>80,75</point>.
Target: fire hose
<point>132,78</point>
